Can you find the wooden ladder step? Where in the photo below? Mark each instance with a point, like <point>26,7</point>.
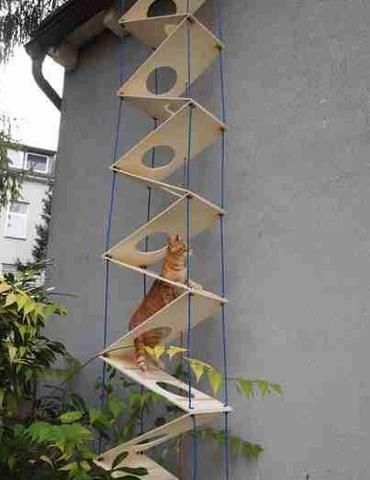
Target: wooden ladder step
<point>172,221</point>
<point>190,121</point>
<point>173,53</point>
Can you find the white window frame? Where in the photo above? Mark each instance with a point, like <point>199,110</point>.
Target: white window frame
<point>8,213</point>
<point>35,169</point>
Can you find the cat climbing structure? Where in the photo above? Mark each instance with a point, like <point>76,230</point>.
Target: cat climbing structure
<point>187,48</point>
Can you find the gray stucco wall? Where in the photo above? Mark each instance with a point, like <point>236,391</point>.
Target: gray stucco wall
<point>298,196</point>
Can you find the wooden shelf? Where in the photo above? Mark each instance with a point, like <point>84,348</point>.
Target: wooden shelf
<point>172,319</point>
<point>154,379</point>
<point>172,221</point>
<point>159,108</point>
<point>154,30</point>
<point>154,437</point>
<point>140,9</point>
<point>174,133</point>
<point>173,53</point>
<point>135,460</point>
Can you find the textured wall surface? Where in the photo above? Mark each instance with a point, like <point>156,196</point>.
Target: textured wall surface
<point>298,196</point>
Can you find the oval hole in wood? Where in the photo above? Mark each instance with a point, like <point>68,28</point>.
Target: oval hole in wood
<point>154,336</point>
<point>162,7</point>
<point>174,389</point>
<point>161,80</point>
<point>155,241</point>
<point>158,157</point>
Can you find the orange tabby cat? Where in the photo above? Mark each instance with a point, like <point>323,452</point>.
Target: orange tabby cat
<point>160,294</point>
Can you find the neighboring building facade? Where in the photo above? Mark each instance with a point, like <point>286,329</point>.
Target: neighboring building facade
<point>297,75</point>
<point>18,220</point>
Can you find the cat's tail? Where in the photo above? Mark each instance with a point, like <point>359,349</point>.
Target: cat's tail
<point>140,354</point>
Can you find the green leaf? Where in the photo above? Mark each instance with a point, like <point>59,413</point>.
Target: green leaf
<point>119,459</point>
<point>139,471</point>
<point>278,389</point>
<point>69,467</point>
<point>263,386</point>
<point>94,415</point>
<point>10,299</point>
<point>197,367</point>
<point>115,406</point>
<point>246,386</point>
<point>22,299</point>
<point>85,465</point>
<point>172,350</point>
<point>124,476</point>
<point>29,307</point>
<point>71,417</point>
<point>215,380</point>
<point>155,352</point>
<point>47,460</point>
<point>251,450</point>
<point>12,352</point>
<point>235,445</point>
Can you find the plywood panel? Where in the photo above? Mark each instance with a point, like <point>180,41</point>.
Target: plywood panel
<point>180,286</point>
<point>173,53</point>
<point>190,122</point>
<point>125,362</point>
<point>172,221</point>
<point>172,319</point>
<point>160,108</point>
<point>155,437</point>
<point>140,9</point>
<point>153,31</point>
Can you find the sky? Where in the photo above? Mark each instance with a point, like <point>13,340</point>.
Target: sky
<point>35,120</point>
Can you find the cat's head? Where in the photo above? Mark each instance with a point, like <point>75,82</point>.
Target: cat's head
<point>177,245</point>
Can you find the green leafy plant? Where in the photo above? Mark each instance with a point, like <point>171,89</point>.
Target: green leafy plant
<point>49,436</point>
<point>146,401</point>
<point>10,180</point>
<point>18,19</point>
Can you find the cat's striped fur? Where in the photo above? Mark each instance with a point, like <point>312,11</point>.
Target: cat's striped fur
<point>159,295</point>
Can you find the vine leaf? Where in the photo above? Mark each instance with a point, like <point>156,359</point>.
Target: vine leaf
<point>70,417</point>
<point>119,459</point>
<point>248,387</point>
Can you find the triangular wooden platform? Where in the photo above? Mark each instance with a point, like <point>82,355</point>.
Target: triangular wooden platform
<point>155,437</point>
<point>141,9</point>
<point>172,319</point>
<point>172,52</point>
<point>173,221</point>
<point>190,119</point>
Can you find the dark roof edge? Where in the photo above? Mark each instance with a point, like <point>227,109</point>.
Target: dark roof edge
<point>63,21</point>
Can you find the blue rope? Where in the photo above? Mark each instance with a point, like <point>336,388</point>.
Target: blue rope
<point>188,199</point>
<point>108,226</point>
<point>222,239</point>
<point>188,261</point>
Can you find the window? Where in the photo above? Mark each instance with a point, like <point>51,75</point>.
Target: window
<point>7,268</point>
<point>16,220</point>
<point>37,163</point>
<point>16,158</point>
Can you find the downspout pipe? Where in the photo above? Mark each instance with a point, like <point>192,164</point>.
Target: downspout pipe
<point>37,63</point>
